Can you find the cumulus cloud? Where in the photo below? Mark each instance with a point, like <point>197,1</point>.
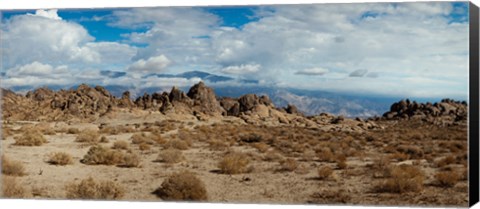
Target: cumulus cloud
<point>151,65</point>
<point>46,38</point>
<point>52,14</point>
<point>38,69</point>
<point>37,74</point>
<point>241,69</point>
<point>397,41</point>
<point>358,73</point>
<point>181,34</point>
<point>312,71</point>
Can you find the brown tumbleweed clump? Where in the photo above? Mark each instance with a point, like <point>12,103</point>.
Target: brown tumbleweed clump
<point>30,138</point>
<point>234,163</point>
<point>90,189</point>
<point>184,186</point>
<point>403,178</point>
<point>60,158</point>
<point>12,168</point>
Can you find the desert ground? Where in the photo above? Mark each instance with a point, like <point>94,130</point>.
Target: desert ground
<point>140,154</point>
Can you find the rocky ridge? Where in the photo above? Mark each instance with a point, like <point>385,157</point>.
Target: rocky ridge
<point>446,111</point>
<point>91,103</point>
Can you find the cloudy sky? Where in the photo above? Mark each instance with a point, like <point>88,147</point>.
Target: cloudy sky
<point>392,49</point>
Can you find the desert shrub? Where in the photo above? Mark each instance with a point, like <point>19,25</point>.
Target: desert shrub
<point>182,186</point>
<point>170,155</point>
<point>324,172</point>
<point>6,132</point>
<point>447,178</point>
<point>341,164</point>
<point>272,156</point>
<point>97,155</point>
<point>104,139</point>
<point>73,131</point>
<point>289,164</point>
<point>130,160</point>
<point>89,136</point>
<point>261,147</point>
<point>43,128</point>
<point>141,138</point>
<point>144,146</point>
<point>446,161</point>
<point>12,168</point>
<point>399,156</point>
<point>380,166</point>
<point>11,188</point>
<point>234,163</point>
<point>403,178</point>
<point>216,144</point>
<point>48,131</point>
<point>413,151</point>
<point>60,158</point>
<point>30,138</point>
<point>251,138</point>
<point>111,130</point>
<point>157,138</point>
<point>120,144</point>
<point>177,144</point>
<point>330,196</point>
<point>90,189</point>
<point>326,155</point>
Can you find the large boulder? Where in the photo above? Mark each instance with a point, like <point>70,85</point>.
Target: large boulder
<point>40,94</point>
<point>204,99</point>
<point>125,101</point>
<point>248,102</point>
<point>231,106</point>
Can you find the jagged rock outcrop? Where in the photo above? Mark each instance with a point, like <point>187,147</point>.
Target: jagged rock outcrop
<point>248,102</point>
<point>40,94</point>
<point>145,102</point>
<point>87,103</point>
<point>84,102</point>
<point>291,109</point>
<point>125,101</point>
<point>14,105</point>
<point>204,100</point>
<point>447,109</point>
<point>231,106</point>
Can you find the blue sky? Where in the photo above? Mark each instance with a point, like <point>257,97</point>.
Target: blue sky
<point>390,49</point>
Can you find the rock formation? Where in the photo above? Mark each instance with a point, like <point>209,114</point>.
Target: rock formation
<point>87,103</point>
<point>446,110</point>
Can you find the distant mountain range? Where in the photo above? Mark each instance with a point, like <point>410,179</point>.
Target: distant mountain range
<point>310,102</point>
<point>211,78</point>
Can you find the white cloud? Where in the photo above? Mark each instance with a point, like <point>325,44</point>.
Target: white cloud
<point>151,65</point>
<point>241,69</point>
<point>313,71</point>
<point>52,14</point>
<point>181,34</point>
<point>397,41</point>
<point>37,74</point>
<point>38,69</point>
<point>29,38</point>
<point>46,38</point>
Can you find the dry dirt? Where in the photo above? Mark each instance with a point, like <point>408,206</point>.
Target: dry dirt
<point>421,145</point>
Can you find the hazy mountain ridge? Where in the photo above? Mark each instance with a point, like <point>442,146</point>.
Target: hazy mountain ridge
<point>309,102</point>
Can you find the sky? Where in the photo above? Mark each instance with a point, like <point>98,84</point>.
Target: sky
<point>387,49</point>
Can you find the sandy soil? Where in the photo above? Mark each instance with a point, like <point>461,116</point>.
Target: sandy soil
<point>264,184</point>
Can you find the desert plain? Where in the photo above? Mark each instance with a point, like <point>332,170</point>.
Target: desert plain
<point>84,143</point>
